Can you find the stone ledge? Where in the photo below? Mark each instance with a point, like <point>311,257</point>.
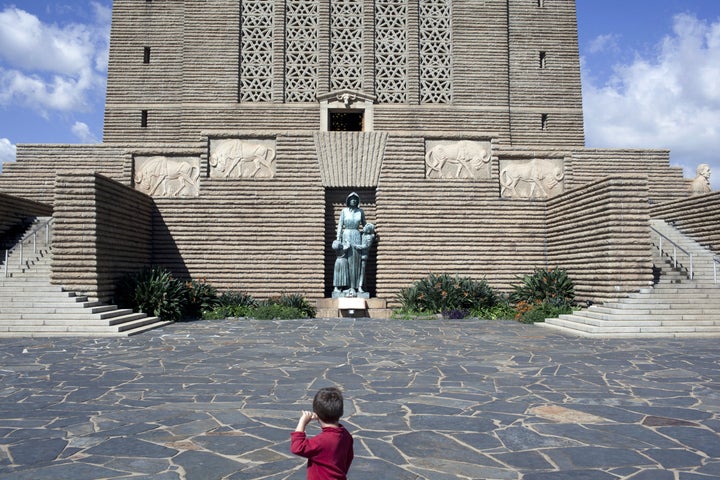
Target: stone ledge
<point>352,307</point>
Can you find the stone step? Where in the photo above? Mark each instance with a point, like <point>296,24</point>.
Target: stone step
<point>589,318</point>
<point>28,298</point>
<point>669,332</point>
<point>352,307</point>
<point>74,321</point>
<point>39,308</point>
<point>625,313</point>
<point>128,329</point>
<point>79,315</point>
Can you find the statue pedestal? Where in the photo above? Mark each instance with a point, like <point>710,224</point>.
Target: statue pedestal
<point>352,307</point>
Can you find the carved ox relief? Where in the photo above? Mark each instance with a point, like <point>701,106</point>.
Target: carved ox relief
<point>458,159</point>
<point>242,158</point>
<point>161,176</point>
<point>536,178</point>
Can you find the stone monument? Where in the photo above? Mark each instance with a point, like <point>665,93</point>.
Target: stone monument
<point>234,130</point>
<point>352,246</point>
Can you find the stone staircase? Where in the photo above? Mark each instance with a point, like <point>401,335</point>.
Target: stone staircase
<point>30,306</point>
<point>677,306</point>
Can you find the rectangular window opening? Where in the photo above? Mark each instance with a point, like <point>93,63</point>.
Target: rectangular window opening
<point>544,122</point>
<point>143,118</point>
<point>543,59</point>
<point>346,120</point>
<point>540,3</point>
<point>146,55</point>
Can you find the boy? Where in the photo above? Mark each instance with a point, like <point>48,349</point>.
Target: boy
<point>329,453</point>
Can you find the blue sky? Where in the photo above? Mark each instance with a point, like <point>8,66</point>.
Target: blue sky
<point>651,75</point>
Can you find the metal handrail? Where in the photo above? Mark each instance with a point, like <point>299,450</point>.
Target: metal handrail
<point>31,235</point>
<point>677,247</point>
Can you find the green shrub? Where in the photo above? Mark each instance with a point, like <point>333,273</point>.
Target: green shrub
<point>274,311</point>
<point>237,299</point>
<point>153,291</point>
<point>445,293</point>
<point>501,311</point>
<point>539,311</point>
<point>284,307</point>
<point>201,297</point>
<point>545,286</point>
<point>222,312</point>
<point>299,302</point>
<point>403,314</point>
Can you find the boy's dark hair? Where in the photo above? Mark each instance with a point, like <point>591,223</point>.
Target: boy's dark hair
<point>328,404</point>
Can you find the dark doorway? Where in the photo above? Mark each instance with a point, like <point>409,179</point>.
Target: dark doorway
<point>346,120</point>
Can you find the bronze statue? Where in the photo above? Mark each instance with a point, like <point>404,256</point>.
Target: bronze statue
<point>351,222</point>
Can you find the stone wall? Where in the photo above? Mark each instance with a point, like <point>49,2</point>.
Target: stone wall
<point>449,226</point>
<point>102,231</point>
<point>697,216</point>
<point>191,82</point>
<point>32,176</point>
<point>264,236</point>
<point>665,183</point>
<point>550,87</point>
<point>269,235</point>
<point>600,234</point>
<point>14,210</point>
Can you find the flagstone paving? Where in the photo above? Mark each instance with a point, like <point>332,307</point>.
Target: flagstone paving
<point>424,400</point>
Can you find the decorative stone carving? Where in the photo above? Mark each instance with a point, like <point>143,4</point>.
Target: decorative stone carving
<point>301,50</point>
<point>241,158</point>
<point>160,176</point>
<point>346,45</point>
<point>701,183</point>
<point>256,50</point>
<point>435,51</point>
<point>391,50</point>
<point>458,159</point>
<point>536,178</point>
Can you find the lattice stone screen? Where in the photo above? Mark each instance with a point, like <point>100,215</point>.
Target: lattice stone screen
<point>346,33</point>
<point>435,51</point>
<point>256,51</point>
<point>301,50</point>
<point>391,53</point>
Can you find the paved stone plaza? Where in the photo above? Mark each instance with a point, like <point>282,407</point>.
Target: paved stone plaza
<point>424,399</point>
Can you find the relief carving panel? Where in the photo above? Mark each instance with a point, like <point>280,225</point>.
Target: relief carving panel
<point>242,158</point>
<point>536,178</point>
<point>457,159</point>
<point>161,176</point>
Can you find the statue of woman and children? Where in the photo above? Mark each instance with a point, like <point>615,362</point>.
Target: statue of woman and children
<point>351,246</point>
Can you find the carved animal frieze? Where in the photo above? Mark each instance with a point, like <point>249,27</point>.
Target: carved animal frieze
<point>458,159</point>
<point>242,158</point>
<point>536,178</point>
<point>161,176</point>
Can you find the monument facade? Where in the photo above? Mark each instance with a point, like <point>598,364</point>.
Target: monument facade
<point>245,125</point>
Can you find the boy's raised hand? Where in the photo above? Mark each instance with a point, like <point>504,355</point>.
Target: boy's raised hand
<point>305,418</point>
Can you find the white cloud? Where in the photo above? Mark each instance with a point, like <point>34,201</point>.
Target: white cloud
<point>83,133</point>
<point>604,43</point>
<point>7,151</point>
<point>671,100</point>
<point>51,67</point>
